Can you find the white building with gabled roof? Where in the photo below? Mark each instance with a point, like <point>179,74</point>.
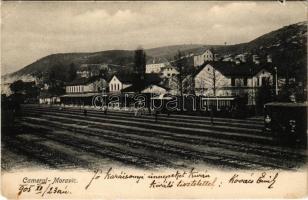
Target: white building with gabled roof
<point>207,55</point>
<point>168,71</point>
<point>155,65</point>
<point>119,82</point>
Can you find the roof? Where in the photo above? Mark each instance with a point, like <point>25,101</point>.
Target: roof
<point>45,95</point>
<point>162,97</point>
<point>169,66</point>
<point>81,95</point>
<point>232,69</point>
<point>156,60</point>
<point>202,51</point>
<point>287,104</point>
<point>149,79</point>
<point>83,81</point>
<point>135,88</point>
<point>132,88</point>
<point>124,78</point>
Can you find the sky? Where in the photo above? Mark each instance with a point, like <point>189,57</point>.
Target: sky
<point>32,30</point>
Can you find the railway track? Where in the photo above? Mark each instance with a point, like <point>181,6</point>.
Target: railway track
<point>265,148</point>
<point>171,142</point>
<point>207,147</point>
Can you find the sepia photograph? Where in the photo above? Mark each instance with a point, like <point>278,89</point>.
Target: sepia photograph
<point>153,99</point>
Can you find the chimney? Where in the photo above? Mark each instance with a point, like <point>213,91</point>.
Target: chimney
<point>269,58</point>
<point>255,59</point>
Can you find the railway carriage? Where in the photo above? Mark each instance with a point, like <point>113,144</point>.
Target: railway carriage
<point>287,123</point>
<point>227,106</point>
<point>201,105</point>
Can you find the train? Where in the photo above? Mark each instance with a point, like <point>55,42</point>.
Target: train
<point>287,123</point>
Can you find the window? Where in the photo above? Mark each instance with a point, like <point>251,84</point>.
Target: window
<point>232,82</point>
<point>111,87</point>
<point>245,81</point>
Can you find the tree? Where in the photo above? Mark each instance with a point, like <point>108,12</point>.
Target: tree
<point>103,73</point>
<point>292,89</point>
<point>57,88</point>
<point>57,72</point>
<point>140,62</point>
<point>51,75</point>
<point>179,62</point>
<point>214,81</point>
<point>139,68</point>
<point>264,95</point>
<point>55,80</point>
<point>71,74</point>
<point>189,84</point>
<point>24,89</point>
<point>17,86</point>
<point>208,80</point>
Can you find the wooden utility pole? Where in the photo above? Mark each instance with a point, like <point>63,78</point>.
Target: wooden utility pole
<point>214,82</point>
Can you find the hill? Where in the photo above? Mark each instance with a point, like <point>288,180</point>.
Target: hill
<point>287,46</point>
